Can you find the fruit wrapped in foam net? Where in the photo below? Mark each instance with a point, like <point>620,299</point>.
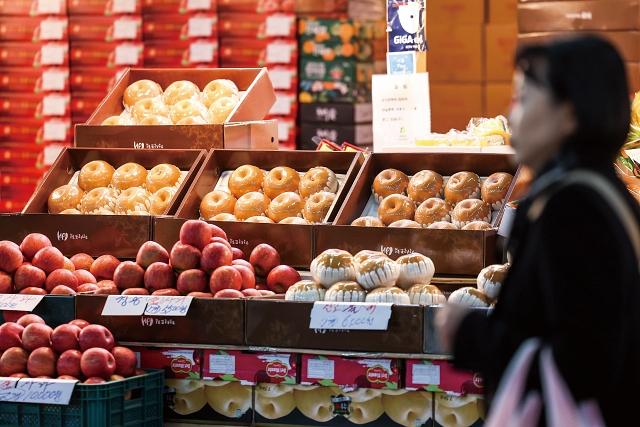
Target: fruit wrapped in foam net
<point>491,278</point>
<point>426,294</point>
<point>346,292</point>
<point>414,268</point>
<point>332,266</point>
<point>469,297</point>
<point>305,290</point>
<point>393,295</point>
<point>377,272</point>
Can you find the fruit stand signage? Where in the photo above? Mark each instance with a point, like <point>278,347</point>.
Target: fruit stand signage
<point>354,315</point>
<point>19,302</point>
<point>136,305</point>
<point>33,390</point>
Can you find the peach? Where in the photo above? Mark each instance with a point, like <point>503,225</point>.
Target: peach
<point>266,293</point>
<point>30,318</point>
<point>129,275</point>
<point>249,292</point>
<point>195,233</point>
<point>225,277</point>
<point>11,257</point>
<point>82,261</point>
<point>151,252</point>
<point>193,280</point>
<point>184,256</point>
<point>48,259</point>
<point>167,292</point>
<point>215,255</point>
<point>237,253</point>
<point>61,277</point>
<point>159,276</point>
<point>6,283</point>
<point>88,287</point>
<point>29,276</point>
<point>248,278</point>
<point>32,243</point>
<point>106,283</point>
<point>104,267</point>
<point>13,361</point>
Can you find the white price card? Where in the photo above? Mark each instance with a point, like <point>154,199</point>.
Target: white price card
<point>52,29</point>
<point>167,306</point>
<point>426,374</point>
<point>282,106</point>
<point>55,131</point>
<point>351,315</point>
<point>127,54</point>
<point>124,305</point>
<point>201,52</point>
<point>222,364</point>
<point>198,4</point>
<point>124,6</point>
<point>52,54</point>
<point>125,29</point>
<point>278,25</point>
<point>200,27</point>
<point>34,390</point>
<point>51,153</point>
<point>54,105</point>
<point>281,79</point>
<point>54,80</point>
<point>320,369</point>
<point>19,302</point>
<point>48,7</point>
<point>278,53</point>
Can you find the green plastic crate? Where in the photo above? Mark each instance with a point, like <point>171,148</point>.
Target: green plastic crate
<point>96,405</point>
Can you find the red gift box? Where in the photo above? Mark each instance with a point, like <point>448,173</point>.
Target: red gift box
<point>36,29</point>
<point>350,374</point>
<point>258,26</point>
<point>34,80</point>
<point>105,29</point>
<point>167,54</point>
<point>176,362</point>
<point>180,27</point>
<point>36,106</point>
<point>104,7</point>
<point>110,55</point>
<point>36,55</point>
<point>440,376</point>
<point>164,7</point>
<point>94,79</point>
<point>33,7</point>
<point>251,53</point>
<point>249,368</point>
<point>34,130</point>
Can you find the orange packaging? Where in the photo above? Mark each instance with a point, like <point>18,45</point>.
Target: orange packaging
<point>33,7</point>
<point>26,54</point>
<point>453,105</point>
<point>503,11</point>
<point>173,7</point>
<point>456,11</point>
<point>497,99</point>
<point>110,55</point>
<point>34,130</point>
<point>104,7</point>
<point>94,79</point>
<point>180,27</point>
<point>35,106</point>
<point>178,54</point>
<point>38,29</point>
<point>34,80</point>
<point>105,29</point>
<point>456,53</point>
<point>500,48</point>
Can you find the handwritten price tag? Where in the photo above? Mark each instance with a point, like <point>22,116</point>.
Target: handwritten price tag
<point>354,315</point>
<point>32,390</point>
<point>167,306</point>
<point>19,302</point>
<point>124,305</point>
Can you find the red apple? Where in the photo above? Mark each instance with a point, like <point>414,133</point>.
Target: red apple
<point>96,336</point>
<point>168,292</point>
<point>13,361</point>
<point>264,258</point>
<point>129,275</point>
<point>62,290</point>
<point>225,277</point>
<point>6,283</point>
<point>29,276</point>
<point>62,277</point>
<point>11,257</point>
<point>194,280</point>
<point>36,335</point>
<point>228,293</point>
<point>107,290</point>
<point>262,287</point>
<point>65,337</point>
<point>159,276</point>
<point>266,293</point>
<point>195,233</point>
<point>95,380</point>
<point>217,232</point>
<point>126,361</point>
<point>67,377</point>
<point>68,265</point>
<point>106,284</point>
<point>48,259</point>
<point>184,257</point>
<point>215,255</point>
<point>13,316</point>
<point>135,291</point>
<point>281,278</point>
<point>43,377</point>
<point>82,261</point>
<point>248,278</point>
<point>151,252</point>
<point>249,292</point>
<point>20,375</point>
<point>139,372</point>
<point>88,287</point>
<point>42,361</point>
<point>84,276</point>
<point>97,362</point>
<point>224,242</point>
<point>81,323</point>
<point>116,377</point>
<point>69,363</point>
<point>30,318</point>
<point>33,291</point>
<point>245,263</point>
<point>104,267</point>
<point>32,243</point>
<point>200,294</point>
<point>237,253</point>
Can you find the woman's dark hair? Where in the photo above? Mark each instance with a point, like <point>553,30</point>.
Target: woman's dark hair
<point>589,73</point>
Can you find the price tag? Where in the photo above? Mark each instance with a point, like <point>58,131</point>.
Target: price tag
<point>221,364</point>
<point>320,369</point>
<point>124,305</point>
<point>198,4</point>
<point>278,25</point>
<point>54,80</point>
<point>52,54</point>
<point>426,374</point>
<point>281,79</point>
<point>200,27</point>
<point>283,130</point>
<point>48,7</point>
<point>124,6</point>
<point>19,302</point>
<point>51,153</point>
<point>354,315</point>
<point>167,306</point>
<point>52,29</point>
<point>54,105</point>
<point>201,52</point>
<point>55,131</point>
<point>33,390</point>
<point>127,55</point>
<point>278,53</point>
<point>125,29</point>
<point>282,106</point>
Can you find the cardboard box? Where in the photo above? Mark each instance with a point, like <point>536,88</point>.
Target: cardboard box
<point>175,362</point>
<point>183,53</point>
<point>574,15</point>
<point>94,79</point>
<point>209,321</point>
<point>55,310</point>
<point>456,12</point>
<point>441,376</point>
<point>104,7</point>
<point>249,368</point>
<point>173,7</point>
<point>320,6</point>
<point>356,134</point>
<point>336,113</point>
<point>456,53</point>
<point>36,106</point>
<point>454,252</point>
<point>21,80</point>
<point>329,50</point>
<point>83,104</point>
<point>103,54</point>
<point>465,411</point>
<point>453,105</point>
<point>350,373</point>
<point>500,49</point>
<point>633,76</point>
<point>36,55</point>
<point>497,99</point>
<point>19,155</point>
<point>241,52</point>
<point>503,12</point>
<point>255,26</point>
<point>39,29</point>
<point>342,70</point>
<point>243,128</point>
<point>284,77</point>
<point>35,130</point>
<point>180,27</point>
<point>314,91</point>
<point>105,29</point>
<point>33,8</point>
<point>255,6</point>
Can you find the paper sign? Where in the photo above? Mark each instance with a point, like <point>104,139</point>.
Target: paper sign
<point>278,53</point>
<point>51,153</point>
<point>401,63</point>
<point>124,6</point>
<point>354,315</point>
<point>200,27</point>
<point>281,79</point>
<point>55,131</point>
<point>48,7</point>
<point>19,302</point>
<point>52,29</point>
<point>425,374</point>
<point>198,4</point>
<point>124,305</point>
<point>54,80</point>
<point>201,52</point>
<point>54,105</point>
<point>127,55</point>
<point>33,390</point>
<point>125,29</point>
<point>52,54</point>
<point>278,25</point>
<point>167,306</point>
<point>320,369</point>
<point>220,364</point>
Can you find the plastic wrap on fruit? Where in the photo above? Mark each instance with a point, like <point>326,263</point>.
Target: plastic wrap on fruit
<point>494,131</point>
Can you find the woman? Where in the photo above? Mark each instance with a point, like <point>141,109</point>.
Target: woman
<point>574,278</point>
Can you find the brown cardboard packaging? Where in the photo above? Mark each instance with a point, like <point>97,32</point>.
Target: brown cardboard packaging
<point>579,15</point>
<point>243,130</point>
<point>452,105</point>
<point>455,12</point>
<point>500,50</point>
<point>497,99</point>
<point>454,252</point>
<point>503,11</point>
<point>455,53</point>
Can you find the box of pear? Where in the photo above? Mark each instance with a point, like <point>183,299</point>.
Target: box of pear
<point>170,109</point>
<point>99,201</point>
<point>261,211</point>
<point>415,212</point>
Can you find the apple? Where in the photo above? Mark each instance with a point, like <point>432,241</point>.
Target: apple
<point>20,375</point>
<point>168,292</point>
<point>281,278</point>
<point>11,257</point>
<point>106,284</point>
<point>224,242</point>
<point>88,287</point>
<point>264,258</point>
<point>97,362</point>
<point>65,337</point>
<point>13,361</point>
<point>67,377</point>
<point>62,290</point>
<point>95,380</point>
<point>184,256</point>
<point>228,293</point>
<point>59,277</point>
<point>30,318</point>
<point>48,259</point>
<point>266,293</point>
<point>6,283</point>
<point>262,287</point>
<point>126,361</point>
<point>84,276</point>
<point>129,275</point>
<point>225,277</point>
<point>135,291</point>
<point>82,261</point>
<point>81,323</point>
<point>217,232</point>
<point>249,292</point>
<point>195,233</point>
<point>200,294</point>
<point>32,243</point>
<point>42,361</point>
<point>151,252</point>
<point>43,377</point>
<point>96,336</point>
<point>215,255</point>
<point>116,377</point>
<point>248,278</point>
<point>104,266</point>
<point>107,290</point>
<point>159,276</point>
<point>245,263</point>
<point>68,265</point>
<point>237,253</point>
<point>13,316</point>
<point>139,371</point>
<point>194,280</point>
<point>33,291</point>
<point>29,276</point>
<point>36,335</point>
<point>69,363</point>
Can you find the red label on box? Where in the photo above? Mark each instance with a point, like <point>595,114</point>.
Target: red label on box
<point>105,29</point>
<point>350,374</point>
<point>176,362</point>
<point>110,55</point>
<point>104,7</point>
<point>36,55</point>
<point>21,80</point>
<point>249,368</point>
<point>202,52</point>
<point>441,376</point>
<point>180,27</point>
<point>39,29</point>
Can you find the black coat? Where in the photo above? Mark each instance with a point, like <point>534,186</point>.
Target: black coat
<point>573,281</point>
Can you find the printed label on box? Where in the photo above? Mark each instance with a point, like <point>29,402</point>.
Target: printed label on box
<point>51,153</point>
<point>198,4</point>
<point>200,27</point>
<point>124,6</point>
<point>320,369</point>
<point>125,29</point>
<point>127,55</point>
<point>281,79</point>
<point>55,131</point>
<point>49,7</point>
<point>52,55</point>
<point>54,105</point>
<point>278,25</point>
<point>278,53</point>
<point>221,364</point>
<point>201,52</point>
<point>52,29</point>
<point>283,130</point>
<point>425,374</point>
<point>54,80</point>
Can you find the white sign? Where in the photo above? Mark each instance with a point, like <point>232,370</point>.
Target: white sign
<point>200,27</point>
<point>198,4</point>
<point>54,105</point>
<point>48,7</point>
<point>401,109</point>
<point>124,305</point>
<point>55,131</point>
<point>354,315</point>
<point>124,6</point>
<point>54,80</point>
<point>138,305</point>
<point>125,29</point>
<point>283,130</point>
<point>167,306</point>
<point>283,104</point>
<point>52,54</point>
<point>221,364</point>
<point>52,29</point>
<point>127,55</point>
<point>201,52</point>
<point>278,25</point>
<point>51,153</point>
<point>33,390</point>
<point>281,79</point>
<point>19,302</point>
<point>426,374</point>
<point>320,369</point>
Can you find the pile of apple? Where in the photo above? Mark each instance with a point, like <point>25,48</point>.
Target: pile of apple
<point>76,350</point>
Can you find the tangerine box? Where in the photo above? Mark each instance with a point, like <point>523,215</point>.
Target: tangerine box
<point>350,373</point>
<point>258,26</point>
<point>176,362</point>
<point>180,27</point>
<point>328,50</point>
<point>249,368</point>
<point>105,29</point>
<point>36,55</point>
<point>34,80</point>
<point>103,54</point>
<point>441,376</point>
<point>38,29</point>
